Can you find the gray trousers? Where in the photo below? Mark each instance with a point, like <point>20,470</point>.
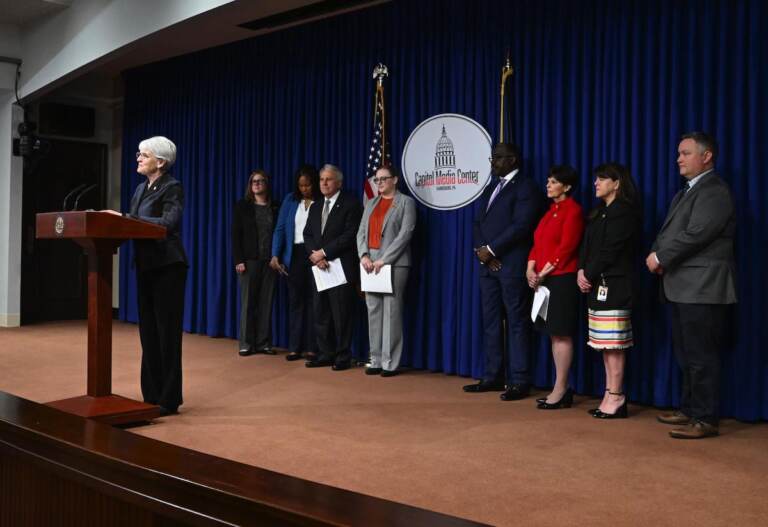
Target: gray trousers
<point>385,322</point>
<point>257,285</point>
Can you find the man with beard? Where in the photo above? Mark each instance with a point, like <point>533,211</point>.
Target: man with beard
<point>503,233</point>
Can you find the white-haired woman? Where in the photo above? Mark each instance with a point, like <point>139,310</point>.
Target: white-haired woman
<point>161,274</point>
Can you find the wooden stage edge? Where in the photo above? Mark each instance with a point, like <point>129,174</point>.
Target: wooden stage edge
<point>61,469</point>
<point>108,409</point>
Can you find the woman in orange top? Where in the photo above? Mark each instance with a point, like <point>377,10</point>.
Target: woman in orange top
<point>384,238</point>
<point>553,263</point>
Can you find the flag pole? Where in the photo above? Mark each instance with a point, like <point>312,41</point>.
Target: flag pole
<point>506,71</point>
<point>380,72</point>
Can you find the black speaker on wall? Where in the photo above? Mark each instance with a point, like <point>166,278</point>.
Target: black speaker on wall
<point>66,120</point>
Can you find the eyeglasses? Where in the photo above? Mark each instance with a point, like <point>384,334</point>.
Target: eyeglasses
<point>381,179</point>
<point>490,159</point>
<point>259,182</point>
<point>144,155</point>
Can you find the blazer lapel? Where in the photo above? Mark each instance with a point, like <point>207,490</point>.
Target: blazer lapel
<point>137,197</point>
<point>504,190</point>
<point>395,204</point>
<point>682,196</point>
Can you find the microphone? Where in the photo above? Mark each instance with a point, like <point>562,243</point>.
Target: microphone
<point>76,189</point>
<point>84,192</point>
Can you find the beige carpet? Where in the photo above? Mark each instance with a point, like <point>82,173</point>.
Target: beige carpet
<point>418,439</point>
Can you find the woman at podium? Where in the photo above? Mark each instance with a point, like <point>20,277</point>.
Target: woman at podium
<point>161,274</point>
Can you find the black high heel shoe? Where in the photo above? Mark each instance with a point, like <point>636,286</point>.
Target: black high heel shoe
<point>622,412</point>
<point>566,401</point>
<point>594,411</point>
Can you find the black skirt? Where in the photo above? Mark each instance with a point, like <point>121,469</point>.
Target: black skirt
<point>563,311</point>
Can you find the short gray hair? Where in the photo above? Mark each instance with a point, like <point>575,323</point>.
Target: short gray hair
<point>162,148</point>
<point>335,170</point>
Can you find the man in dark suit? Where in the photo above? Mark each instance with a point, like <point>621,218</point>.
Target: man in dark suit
<point>693,254</point>
<point>503,233</point>
<point>330,233</point>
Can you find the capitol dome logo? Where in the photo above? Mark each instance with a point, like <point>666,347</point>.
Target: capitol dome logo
<point>445,161</point>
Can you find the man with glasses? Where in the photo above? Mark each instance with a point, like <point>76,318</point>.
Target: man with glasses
<point>503,233</point>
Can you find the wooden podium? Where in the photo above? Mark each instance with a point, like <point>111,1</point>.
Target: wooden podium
<point>100,234</point>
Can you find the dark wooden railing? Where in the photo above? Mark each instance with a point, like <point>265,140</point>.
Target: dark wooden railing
<point>60,469</point>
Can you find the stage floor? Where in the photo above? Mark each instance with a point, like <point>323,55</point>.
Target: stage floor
<point>418,439</point>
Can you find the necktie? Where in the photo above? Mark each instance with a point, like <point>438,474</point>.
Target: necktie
<point>324,215</point>
<point>496,192</point>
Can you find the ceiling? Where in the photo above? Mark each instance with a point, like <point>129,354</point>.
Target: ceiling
<point>213,28</point>
<point>22,12</point>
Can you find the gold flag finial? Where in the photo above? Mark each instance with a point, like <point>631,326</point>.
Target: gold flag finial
<point>506,71</point>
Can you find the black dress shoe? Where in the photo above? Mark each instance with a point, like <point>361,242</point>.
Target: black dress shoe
<point>373,371</point>
<point>389,373</point>
<point>341,366</point>
<point>168,411</point>
<point>515,392</point>
<point>318,363</point>
<point>245,352</point>
<point>268,351</point>
<point>622,412</point>
<point>566,401</point>
<point>294,355</point>
<point>484,386</point>
<point>541,400</point>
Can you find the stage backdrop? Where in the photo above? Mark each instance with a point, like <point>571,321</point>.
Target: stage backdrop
<point>594,81</point>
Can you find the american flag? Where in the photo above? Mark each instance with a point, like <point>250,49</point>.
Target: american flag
<point>378,155</point>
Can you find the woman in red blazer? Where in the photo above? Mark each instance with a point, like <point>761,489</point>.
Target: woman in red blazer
<point>552,263</point>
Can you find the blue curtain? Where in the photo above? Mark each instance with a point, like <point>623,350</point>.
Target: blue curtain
<point>594,81</point>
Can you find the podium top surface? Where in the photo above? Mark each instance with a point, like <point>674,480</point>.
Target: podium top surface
<point>93,224</point>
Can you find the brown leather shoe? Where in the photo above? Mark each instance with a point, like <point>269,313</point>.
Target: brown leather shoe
<point>673,418</point>
<point>695,430</point>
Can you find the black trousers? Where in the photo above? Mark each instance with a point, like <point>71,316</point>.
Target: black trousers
<point>334,320</point>
<point>698,332</point>
<point>257,288</point>
<point>161,311</point>
<point>301,294</point>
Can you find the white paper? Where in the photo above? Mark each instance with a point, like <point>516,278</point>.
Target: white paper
<point>376,283</point>
<point>330,277</point>
<point>540,303</point>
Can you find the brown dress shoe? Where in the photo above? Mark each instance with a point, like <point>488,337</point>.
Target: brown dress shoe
<point>673,418</point>
<point>695,430</point>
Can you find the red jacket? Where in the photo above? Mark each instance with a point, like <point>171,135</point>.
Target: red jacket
<point>557,237</point>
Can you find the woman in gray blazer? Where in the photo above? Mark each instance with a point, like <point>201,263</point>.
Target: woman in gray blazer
<point>384,238</point>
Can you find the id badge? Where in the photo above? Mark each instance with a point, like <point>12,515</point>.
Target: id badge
<point>602,293</point>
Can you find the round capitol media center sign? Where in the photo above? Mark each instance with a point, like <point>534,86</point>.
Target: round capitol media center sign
<point>445,161</point>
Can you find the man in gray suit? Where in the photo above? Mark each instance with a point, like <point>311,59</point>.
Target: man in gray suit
<point>693,254</point>
<point>384,238</point>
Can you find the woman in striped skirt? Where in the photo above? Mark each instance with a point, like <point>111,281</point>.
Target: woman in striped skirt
<point>606,276</point>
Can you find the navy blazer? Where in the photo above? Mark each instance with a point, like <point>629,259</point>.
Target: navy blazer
<point>340,237</point>
<point>507,225</point>
<point>161,204</point>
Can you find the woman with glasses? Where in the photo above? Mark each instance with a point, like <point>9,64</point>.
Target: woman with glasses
<point>384,238</point>
<point>552,263</point>
<point>289,258</point>
<point>252,226</point>
<point>605,275</point>
<point>161,274</point>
